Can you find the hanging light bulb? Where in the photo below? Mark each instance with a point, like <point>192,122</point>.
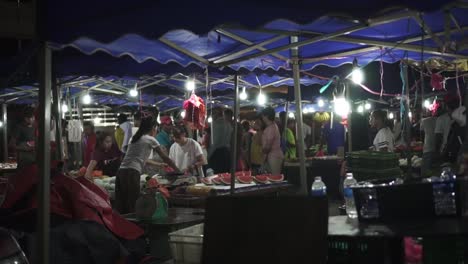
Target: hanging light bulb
<point>64,108</point>
<point>261,99</point>
<point>210,119</point>
<point>291,115</point>
<point>97,120</point>
<point>367,106</point>
<point>320,103</point>
<point>182,114</point>
<point>133,93</point>
<point>86,99</point>
<point>427,104</point>
<point>391,115</point>
<point>341,106</point>
<point>357,76</point>
<point>360,109</point>
<point>410,115</point>
<point>190,85</point>
<point>243,95</point>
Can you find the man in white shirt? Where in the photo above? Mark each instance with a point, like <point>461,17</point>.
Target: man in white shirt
<point>307,130</point>
<point>383,141</point>
<point>186,152</point>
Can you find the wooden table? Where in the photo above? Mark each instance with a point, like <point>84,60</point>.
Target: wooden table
<point>157,231</point>
<point>187,200</point>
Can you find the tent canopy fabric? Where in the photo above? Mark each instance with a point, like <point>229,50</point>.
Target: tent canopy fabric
<point>107,20</point>
<point>325,40</point>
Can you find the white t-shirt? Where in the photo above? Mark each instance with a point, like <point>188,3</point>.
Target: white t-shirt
<point>428,126</point>
<point>186,155</point>
<point>74,131</point>
<point>384,139</point>
<point>138,153</point>
<point>442,126</point>
<point>127,128</point>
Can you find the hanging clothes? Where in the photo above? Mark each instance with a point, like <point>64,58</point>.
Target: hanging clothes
<point>195,112</point>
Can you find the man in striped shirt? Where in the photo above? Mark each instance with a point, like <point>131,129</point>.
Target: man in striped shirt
<point>383,141</point>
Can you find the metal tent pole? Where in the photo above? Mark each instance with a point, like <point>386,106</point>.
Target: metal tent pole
<point>407,120</point>
<point>234,135</point>
<point>300,132</point>
<point>57,111</point>
<point>350,127</point>
<point>43,153</point>
<point>4,133</point>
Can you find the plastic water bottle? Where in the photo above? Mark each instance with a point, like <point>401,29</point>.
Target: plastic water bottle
<point>443,191</point>
<point>348,195</point>
<point>318,187</point>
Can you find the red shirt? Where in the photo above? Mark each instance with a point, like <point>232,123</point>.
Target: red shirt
<point>89,142</point>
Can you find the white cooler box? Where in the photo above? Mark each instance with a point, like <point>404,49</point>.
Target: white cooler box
<point>186,244</point>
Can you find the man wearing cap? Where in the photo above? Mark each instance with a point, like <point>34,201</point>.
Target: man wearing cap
<point>164,136</point>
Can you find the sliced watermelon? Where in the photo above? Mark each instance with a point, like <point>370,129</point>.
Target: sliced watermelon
<point>226,179</point>
<point>261,179</point>
<point>216,180</point>
<point>243,173</point>
<point>245,179</point>
<point>276,178</point>
<point>206,181</point>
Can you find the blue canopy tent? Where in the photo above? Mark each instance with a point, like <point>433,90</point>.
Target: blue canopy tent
<point>278,44</point>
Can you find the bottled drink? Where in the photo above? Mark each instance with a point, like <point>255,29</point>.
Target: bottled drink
<point>318,187</point>
<point>209,172</point>
<point>443,191</point>
<point>370,205</point>
<point>348,195</point>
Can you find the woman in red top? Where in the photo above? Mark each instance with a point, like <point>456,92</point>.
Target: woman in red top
<point>89,142</point>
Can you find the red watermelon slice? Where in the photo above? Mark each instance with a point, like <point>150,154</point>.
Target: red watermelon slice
<point>276,178</point>
<point>216,180</point>
<point>261,179</point>
<point>225,179</point>
<point>245,179</point>
<point>206,181</point>
<point>243,173</point>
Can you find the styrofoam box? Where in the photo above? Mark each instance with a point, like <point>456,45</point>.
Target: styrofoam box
<point>186,244</point>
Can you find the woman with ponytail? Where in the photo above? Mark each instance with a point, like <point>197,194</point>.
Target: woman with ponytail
<point>127,186</point>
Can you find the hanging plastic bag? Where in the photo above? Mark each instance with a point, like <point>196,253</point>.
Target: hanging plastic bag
<point>195,112</point>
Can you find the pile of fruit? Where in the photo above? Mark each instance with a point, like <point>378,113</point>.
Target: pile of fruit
<point>322,117</point>
<point>243,177</point>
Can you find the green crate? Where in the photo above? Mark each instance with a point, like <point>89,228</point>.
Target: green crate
<point>373,174</point>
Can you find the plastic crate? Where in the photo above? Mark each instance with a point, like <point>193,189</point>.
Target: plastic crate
<point>372,160</point>
<point>404,201</point>
<point>373,174</point>
<point>346,250</point>
<point>186,244</point>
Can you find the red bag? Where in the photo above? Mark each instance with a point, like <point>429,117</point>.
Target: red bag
<point>195,112</point>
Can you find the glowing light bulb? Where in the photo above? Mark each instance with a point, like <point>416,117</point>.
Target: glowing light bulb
<point>391,116</point>
<point>182,114</point>
<point>133,93</point>
<point>1,123</point>
<point>367,106</point>
<point>320,103</point>
<point>342,107</point>
<point>410,114</point>
<point>210,119</point>
<point>190,85</point>
<point>427,104</point>
<point>261,99</point>
<point>64,108</point>
<point>360,109</point>
<point>97,120</point>
<point>243,95</point>
<point>86,99</point>
<point>357,76</point>
<point>291,115</point>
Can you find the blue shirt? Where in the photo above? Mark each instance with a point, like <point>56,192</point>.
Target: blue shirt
<point>335,136</point>
<point>164,139</point>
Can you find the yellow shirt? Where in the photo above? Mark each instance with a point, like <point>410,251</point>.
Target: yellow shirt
<point>119,135</point>
<point>256,154</point>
